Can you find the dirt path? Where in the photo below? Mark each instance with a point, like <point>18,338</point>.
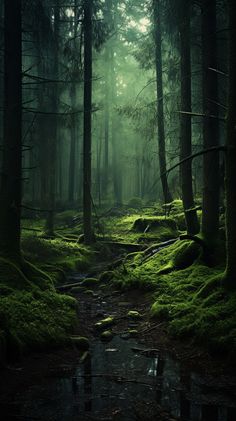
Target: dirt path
<point>139,374</point>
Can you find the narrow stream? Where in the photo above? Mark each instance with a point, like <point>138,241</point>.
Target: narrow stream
<point>117,381</point>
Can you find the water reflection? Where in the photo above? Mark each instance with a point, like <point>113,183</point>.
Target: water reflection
<point>115,378</point>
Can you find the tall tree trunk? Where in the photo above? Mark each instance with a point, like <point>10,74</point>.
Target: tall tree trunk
<point>231,153</point>
<point>10,195</point>
<point>72,161</point>
<point>211,184</point>
<point>160,103</point>
<point>87,202</point>
<point>52,141</point>
<point>117,174</point>
<point>106,122</point>
<point>186,122</point>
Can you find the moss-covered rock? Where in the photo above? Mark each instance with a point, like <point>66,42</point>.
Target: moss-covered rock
<point>132,314</point>
<point>133,332</point>
<point>106,336</point>
<point>105,323</point>
<point>153,224</point>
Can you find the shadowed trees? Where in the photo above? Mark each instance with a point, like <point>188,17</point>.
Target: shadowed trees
<point>230,180</point>
<point>11,176</point>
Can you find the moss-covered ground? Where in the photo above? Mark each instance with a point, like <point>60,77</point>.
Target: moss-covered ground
<point>177,279</point>
<point>33,315</point>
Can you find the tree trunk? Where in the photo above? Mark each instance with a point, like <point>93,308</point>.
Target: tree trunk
<point>211,189</point>
<point>106,123</point>
<point>52,141</point>
<point>231,154</point>
<point>160,107</point>
<point>10,195</point>
<point>186,122</point>
<point>72,162</point>
<point>87,202</point>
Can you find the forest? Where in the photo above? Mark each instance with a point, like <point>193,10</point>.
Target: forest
<point>118,210</point>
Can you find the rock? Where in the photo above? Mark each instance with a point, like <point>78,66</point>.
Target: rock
<point>80,342</point>
<point>125,335</point>
<point>133,332</point>
<point>104,323</point>
<point>107,335</point>
<point>134,314</point>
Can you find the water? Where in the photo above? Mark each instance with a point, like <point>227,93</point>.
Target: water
<point>116,382</point>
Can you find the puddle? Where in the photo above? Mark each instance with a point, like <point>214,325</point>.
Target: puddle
<point>114,379</point>
<point>117,382</point>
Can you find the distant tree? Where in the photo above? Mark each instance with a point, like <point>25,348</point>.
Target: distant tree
<point>11,175</point>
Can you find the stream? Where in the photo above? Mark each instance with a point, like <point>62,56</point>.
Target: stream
<point>123,380</point>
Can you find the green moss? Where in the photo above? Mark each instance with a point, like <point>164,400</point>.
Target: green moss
<point>57,252</point>
<point>107,335</point>
<point>104,323</point>
<point>190,296</point>
<point>36,319</point>
<point>133,332</point>
<point>134,314</point>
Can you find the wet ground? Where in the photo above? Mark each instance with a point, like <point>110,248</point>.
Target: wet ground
<point>129,378</point>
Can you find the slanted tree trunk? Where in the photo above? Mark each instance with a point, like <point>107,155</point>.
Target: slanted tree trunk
<point>231,154</point>
<point>186,122</point>
<point>10,194</point>
<point>211,184</point>
<point>160,103</point>
<point>87,137</point>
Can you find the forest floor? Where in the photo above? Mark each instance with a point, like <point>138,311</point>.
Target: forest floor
<point>126,359</point>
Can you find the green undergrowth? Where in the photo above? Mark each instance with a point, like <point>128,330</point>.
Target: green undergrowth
<point>139,228</point>
<point>32,314</point>
<point>177,279</point>
<point>56,253</point>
